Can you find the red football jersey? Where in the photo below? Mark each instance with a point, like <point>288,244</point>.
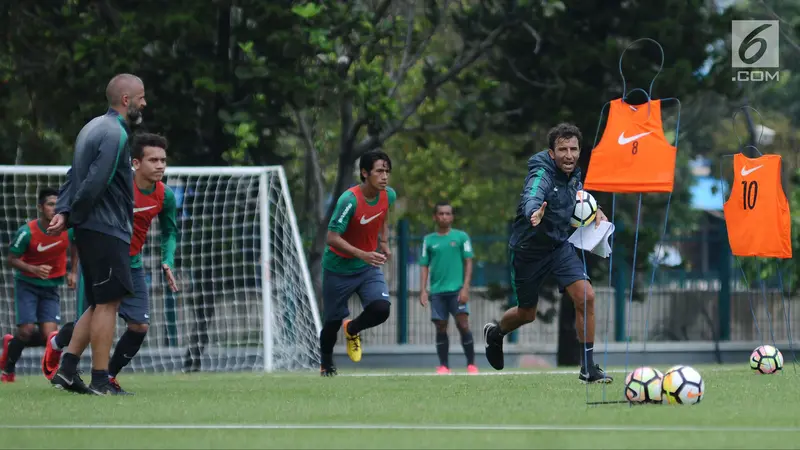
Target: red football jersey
<point>366,222</point>
<point>145,208</point>
<point>46,249</point>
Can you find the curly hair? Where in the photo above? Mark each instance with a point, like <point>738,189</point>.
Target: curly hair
<point>563,131</point>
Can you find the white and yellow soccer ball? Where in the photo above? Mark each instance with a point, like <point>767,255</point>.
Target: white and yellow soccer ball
<point>585,209</point>
<point>766,359</point>
<point>643,385</point>
<point>682,385</point>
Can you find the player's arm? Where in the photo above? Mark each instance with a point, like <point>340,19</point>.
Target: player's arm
<point>65,195</point>
<point>72,276</point>
<point>19,245</point>
<point>383,237</point>
<point>168,221</point>
<point>466,255</point>
<point>345,208</point>
<point>100,172</point>
<point>424,269</point>
<point>537,185</point>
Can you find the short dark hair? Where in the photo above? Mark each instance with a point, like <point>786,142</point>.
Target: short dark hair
<point>142,140</point>
<point>441,203</point>
<point>44,193</point>
<point>563,131</point>
<point>369,159</point>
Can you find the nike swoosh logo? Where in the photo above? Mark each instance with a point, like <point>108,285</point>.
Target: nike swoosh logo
<point>135,210</point>
<point>366,221</point>
<point>42,248</point>
<point>626,140</point>
<point>66,380</point>
<point>748,172</point>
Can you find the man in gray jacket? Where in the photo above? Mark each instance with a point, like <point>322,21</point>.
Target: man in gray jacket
<point>97,201</point>
<point>539,247</point>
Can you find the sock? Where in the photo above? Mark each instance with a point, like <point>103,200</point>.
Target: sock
<point>99,377</point>
<point>69,363</point>
<point>61,340</point>
<point>15,347</point>
<point>442,348</point>
<point>373,315</point>
<point>127,347</point>
<point>469,347</point>
<point>327,340</point>
<point>36,340</point>
<point>587,355</point>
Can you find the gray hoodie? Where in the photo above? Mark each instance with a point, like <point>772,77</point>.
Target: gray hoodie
<point>545,182</point>
<point>98,192</point>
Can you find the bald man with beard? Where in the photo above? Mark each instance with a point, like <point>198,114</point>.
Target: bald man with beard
<point>97,201</point>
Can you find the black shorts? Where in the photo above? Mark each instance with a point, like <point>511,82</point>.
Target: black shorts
<point>528,272</point>
<point>106,266</point>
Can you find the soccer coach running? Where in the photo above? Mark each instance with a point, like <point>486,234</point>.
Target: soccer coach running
<point>97,201</point>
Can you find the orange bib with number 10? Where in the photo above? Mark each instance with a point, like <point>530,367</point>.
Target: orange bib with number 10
<point>757,212</point>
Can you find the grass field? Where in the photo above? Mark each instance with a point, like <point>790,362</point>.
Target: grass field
<point>399,410</point>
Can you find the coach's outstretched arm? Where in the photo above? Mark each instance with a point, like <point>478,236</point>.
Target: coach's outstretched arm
<point>537,185</point>
<point>99,174</point>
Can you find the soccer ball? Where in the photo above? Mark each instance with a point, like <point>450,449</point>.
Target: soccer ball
<point>585,209</point>
<point>682,385</point>
<point>643,385</point>
<point>766,359</point>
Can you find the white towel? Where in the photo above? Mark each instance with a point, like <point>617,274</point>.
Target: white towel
<point>594,239</point>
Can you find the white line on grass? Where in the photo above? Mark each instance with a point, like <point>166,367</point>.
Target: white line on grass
<point>509,373</point>
<point>543,427</point>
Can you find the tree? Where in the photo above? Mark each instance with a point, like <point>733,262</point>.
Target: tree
<point>363,58</point>
<point>577,71</point>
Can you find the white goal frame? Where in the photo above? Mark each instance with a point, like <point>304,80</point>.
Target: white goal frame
<point>265,178</point>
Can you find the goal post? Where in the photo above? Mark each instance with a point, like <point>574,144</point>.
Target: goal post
<point>246,302</point>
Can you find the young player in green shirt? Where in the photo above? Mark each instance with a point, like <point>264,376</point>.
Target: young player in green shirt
<point>40,263</point>
<point>447,258</point>
<point>358,247</point>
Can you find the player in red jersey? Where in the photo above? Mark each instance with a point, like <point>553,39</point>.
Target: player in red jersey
<point>40,261</point>
<point>357,247</point>
<point>152,198</point>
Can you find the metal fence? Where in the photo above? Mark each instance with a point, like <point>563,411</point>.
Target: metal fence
<point>704,300</point>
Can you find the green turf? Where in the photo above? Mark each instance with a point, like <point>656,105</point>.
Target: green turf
<point>734,398</point>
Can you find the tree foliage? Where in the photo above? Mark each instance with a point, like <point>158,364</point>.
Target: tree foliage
<point>460,93</point>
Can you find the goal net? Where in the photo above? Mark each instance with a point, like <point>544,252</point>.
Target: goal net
<point>245,300</point>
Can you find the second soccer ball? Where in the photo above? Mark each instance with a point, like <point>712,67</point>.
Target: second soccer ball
<point>643,385</point>
<point>766,359</point>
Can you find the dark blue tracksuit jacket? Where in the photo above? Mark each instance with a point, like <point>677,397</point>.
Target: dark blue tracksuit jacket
<point>545,182</point>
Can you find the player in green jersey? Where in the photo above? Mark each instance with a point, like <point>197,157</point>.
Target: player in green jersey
<point>447,258</point>
<point>358,246</point>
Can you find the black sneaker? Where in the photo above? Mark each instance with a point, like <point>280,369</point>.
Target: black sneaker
<point>327,371</point>
<point>494,345</point>
<point>107,388</point>
<point>70,382</point>
<point>594,375</point>
<point>115,384</point>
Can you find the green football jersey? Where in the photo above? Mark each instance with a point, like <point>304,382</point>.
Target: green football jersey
<point>341,220</point>
<point>444,255</point>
